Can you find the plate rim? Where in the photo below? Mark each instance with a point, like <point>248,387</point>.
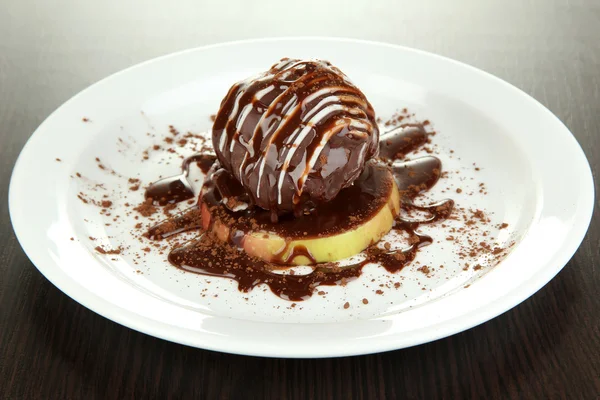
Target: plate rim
<point>161,330</point>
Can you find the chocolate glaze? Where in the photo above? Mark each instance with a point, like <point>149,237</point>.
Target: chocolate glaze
<point>358,202</point>
<point>399,141</point>
<point>295,134</point>
<point>207,256</point>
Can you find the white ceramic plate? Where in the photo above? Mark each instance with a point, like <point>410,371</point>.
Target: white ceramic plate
<point>515,142</point>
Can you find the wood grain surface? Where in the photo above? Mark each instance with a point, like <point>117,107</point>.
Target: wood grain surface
<point>52,348</point>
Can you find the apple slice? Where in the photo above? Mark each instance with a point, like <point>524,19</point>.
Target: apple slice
<point>278,248</point>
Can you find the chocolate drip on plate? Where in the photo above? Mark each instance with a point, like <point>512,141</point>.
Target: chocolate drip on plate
<point>176,188</point>
<point>400,141</point>
<point>209,256</point>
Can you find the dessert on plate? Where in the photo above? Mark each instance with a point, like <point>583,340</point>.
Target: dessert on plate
<point>300,176</point>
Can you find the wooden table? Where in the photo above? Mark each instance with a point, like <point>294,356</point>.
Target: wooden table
<point>51,347</point>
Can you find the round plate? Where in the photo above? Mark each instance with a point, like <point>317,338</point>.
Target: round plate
<point>490,135</point>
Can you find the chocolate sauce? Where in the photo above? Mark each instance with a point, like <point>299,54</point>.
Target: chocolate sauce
<point>176,188</point>
<point>187,220</point>
<point>214,259</point>
<point>209,256</point>
<point>418,175</point>
<point>297,251</point>
<point>402,140</point>
<point>353,205</point>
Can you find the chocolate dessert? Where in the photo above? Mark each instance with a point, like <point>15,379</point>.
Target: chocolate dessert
<point>294,136</point>
<point>300,177</point>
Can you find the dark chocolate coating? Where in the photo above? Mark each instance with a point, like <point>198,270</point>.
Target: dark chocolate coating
<point>296,135</point>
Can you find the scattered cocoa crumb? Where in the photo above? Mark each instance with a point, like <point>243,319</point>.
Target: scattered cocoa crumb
<point>346,305</point>
<point>146,208</point>
<point>424,269</point>
<point>102,250</point>
<point>365,301</point>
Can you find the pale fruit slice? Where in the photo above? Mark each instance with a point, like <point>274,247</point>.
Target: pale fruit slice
<point>272,247</point>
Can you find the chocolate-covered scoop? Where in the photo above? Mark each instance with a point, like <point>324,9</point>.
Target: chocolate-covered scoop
<point>296,135</point>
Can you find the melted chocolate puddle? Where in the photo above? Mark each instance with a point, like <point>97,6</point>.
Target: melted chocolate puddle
<point>399,141</point>
<point>359,202</point>
<point>176,188</point>
<point>207,256</point>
